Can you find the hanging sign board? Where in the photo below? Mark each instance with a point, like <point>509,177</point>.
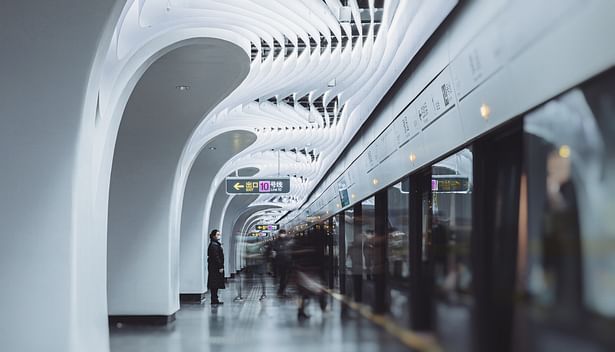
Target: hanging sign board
<point>255,185</point>
<point>450,184</point>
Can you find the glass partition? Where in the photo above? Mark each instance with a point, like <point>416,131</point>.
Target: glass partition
<point>451,225</point>
<point>335,235</point>
<point>566,257</point>
<point>354,262</point>
<point>368,237</point>
<point>398,227</point>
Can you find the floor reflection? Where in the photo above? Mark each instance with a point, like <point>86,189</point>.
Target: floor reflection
<point>255,325</point>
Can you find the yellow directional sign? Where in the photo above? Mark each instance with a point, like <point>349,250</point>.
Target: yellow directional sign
<point>255,185</point>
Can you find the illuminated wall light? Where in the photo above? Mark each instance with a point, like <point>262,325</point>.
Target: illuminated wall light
<point>375,181</point>
<point>485,111</point>
<point>338,205</point>
<point>564,151</point>
<point>412,157</point>
<point>353,196</point>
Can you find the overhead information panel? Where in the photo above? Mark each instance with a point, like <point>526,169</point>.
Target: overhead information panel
<point>255,185</point>
<point>267,227</point>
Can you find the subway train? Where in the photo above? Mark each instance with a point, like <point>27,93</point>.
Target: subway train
<point>503,239</point>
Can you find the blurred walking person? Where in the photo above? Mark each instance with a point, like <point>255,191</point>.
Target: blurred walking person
<point>256,261</point>
<point>282,253</point>
<point>309,260</point>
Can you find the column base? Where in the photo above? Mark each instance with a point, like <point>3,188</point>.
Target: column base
<point>141,320</point>
<point>192,298</point>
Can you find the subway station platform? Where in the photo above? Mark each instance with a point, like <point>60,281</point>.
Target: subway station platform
<point>444,168</point>
<point>254,325</point>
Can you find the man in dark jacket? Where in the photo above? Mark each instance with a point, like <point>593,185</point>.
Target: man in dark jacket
<point>215,266</point>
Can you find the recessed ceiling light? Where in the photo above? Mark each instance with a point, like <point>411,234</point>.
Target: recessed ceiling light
<point>212,148</point>
<point>182,88</point>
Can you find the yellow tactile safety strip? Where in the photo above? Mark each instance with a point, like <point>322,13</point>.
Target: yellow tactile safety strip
<point>412,339</point>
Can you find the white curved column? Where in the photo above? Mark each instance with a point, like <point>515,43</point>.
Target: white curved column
<point>52,258</point>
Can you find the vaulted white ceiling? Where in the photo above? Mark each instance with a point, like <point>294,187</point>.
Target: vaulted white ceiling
<point>318,69</point>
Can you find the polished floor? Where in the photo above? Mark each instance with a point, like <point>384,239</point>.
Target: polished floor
<point>256,325</point>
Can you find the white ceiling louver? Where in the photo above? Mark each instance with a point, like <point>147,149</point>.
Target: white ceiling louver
<point>318,68</point>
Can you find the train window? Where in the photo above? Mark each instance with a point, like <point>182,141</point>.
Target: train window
<point>451,225</point>
<point>398,226</point>
<point>566,256</point>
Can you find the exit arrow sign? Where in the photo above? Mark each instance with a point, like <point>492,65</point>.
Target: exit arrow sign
<point>256,185</point>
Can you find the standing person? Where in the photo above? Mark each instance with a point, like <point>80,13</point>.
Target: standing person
<point>215,266</point>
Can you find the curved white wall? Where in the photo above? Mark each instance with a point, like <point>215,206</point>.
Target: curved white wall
<point>143,259</point>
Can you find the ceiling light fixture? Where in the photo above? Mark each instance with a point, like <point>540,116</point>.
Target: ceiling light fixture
<point>212,148</point>
<point>182,88</point>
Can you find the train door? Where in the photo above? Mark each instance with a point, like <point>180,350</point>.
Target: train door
<point>354,252</point>
<point>333,250</point>
<point>341,230</point>
<point>448,248</point>
<point>369,250</point>
<point>398,251</point>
